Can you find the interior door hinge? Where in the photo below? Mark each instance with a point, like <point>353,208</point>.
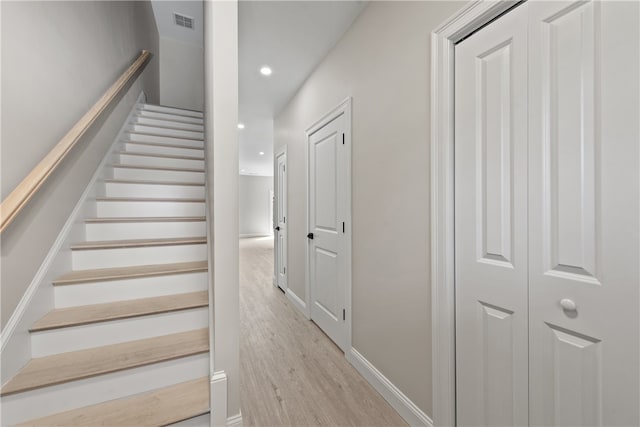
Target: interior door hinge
<point>284,270</point>
<point>344,314</point>
<point>343,139</point>
<point>343,227</point>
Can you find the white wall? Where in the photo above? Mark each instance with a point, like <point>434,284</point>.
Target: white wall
<point>181,74</point>
<point>255,205</point>
<point>383,63</point>
<point>58,58</point>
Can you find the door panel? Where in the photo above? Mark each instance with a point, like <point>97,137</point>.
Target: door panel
<point>327,211</point>
<point>281,221</point>
<point>491,224</point>
<point>584,210</point>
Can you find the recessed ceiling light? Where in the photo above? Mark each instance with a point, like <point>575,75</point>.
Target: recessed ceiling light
<point>241,170</point>
<point>265,71</point>
<point>261,153</point>
<point>240,125</point>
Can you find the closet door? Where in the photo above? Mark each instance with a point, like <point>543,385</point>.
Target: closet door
<point>491,224</point>
<point>584,213</point>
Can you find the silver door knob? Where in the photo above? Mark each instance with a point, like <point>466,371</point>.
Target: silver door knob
<point>568,304</point>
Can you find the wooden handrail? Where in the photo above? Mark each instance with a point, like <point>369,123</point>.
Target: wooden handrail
<point>20,196</point>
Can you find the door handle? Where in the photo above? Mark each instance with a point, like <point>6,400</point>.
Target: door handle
<point>278,228</point>
<point>310,236</point>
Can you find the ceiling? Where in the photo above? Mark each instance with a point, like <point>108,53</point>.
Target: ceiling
<point>163,11</point>
<point>291,37</point>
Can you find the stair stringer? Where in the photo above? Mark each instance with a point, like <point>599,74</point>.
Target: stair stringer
<point>15,340</point>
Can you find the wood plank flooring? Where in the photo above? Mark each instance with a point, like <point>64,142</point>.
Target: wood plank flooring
<point>291,373</point>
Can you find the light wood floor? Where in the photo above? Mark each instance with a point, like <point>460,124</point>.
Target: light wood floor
<point>292,374</point>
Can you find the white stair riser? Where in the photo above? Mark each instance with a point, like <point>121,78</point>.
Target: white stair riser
<point>144,230</point>
<point>127,257</point>
<point>63,340</point>
<point>157,175</point>
<point>120,209</point>
<point>172,110</point>
<point>164,130</point>
<point>21,407</point>
<point>128,159</point>
<point>164,140</point>
<point>125,289</point>
<point>173,117</point>
<point>155,149</point>
<point>127,189</point>
<point>178,125</point>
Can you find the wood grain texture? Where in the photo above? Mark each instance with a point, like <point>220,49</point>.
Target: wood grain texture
<point>176,114</point>
<point>145,219</point>
<point>137,271</point>
<point>291,373</point>
<point>157,168</point>
<point>161,156</point>
<point>146,199</point>
<point>87,314</point>
<point>21,195</point>
<point>135,132</point>
<point>158,144</point>
<point>76,365</point>
<point>160,407</point>
<point>138,243</point>
<point>141,181</point>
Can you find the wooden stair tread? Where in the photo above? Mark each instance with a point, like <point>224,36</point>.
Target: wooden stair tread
<point>138,243</point>
<point>168,118</point>
<point>62,368</point>
<point>199,116</point>
<point>161,156</point>
<point>147,199</point>
<point>145,219</point>
<point>120,273</point>
<point>142,181</point>
<point>159,135</point>
<point>86,314</point>
<point>157,168</point>
<point>157,126</point>
<point>163,406</point>
<point>157,144</point>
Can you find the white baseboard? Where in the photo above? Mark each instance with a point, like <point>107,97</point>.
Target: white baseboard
<point>15,341</point>
<point>246,236</point>
<point>235,421</point>
<point>408,410</point>
<point>298,302</point>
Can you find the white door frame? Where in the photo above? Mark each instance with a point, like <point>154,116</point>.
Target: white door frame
<point>285,207</point>
<point>443,39</point>
<point>343,108</point>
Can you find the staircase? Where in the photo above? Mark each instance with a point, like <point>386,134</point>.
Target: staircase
<point>128,342</point>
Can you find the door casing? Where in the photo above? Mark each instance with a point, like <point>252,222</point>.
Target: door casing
<point>443,39</point>
<point>344,108</point>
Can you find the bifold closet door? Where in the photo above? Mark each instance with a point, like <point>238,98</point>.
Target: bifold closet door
<point>491,224</point>
<point>584,216</point>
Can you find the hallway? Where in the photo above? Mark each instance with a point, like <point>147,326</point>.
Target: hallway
<point>292,374</point>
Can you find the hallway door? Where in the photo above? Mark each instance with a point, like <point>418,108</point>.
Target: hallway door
<point>491,224</point>
<point>327,241</point>
<point>280,229</point>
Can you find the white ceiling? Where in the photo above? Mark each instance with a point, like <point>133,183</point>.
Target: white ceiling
<point>291,37</point>
<point>163,11</point>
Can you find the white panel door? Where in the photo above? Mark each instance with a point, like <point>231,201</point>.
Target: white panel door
<point>327,242</point>
<point>491,224</point>
<point>280,235</point>
<point>584,214</point>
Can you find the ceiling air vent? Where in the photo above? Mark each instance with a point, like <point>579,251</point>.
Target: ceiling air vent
<point>183,21</point>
